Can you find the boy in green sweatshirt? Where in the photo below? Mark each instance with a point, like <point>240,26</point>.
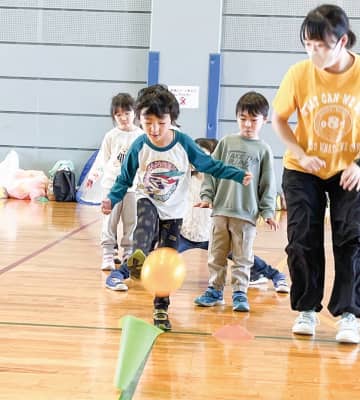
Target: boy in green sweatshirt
<point>236,208</point>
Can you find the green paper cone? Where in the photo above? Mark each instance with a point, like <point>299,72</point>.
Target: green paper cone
<point>136,342</point>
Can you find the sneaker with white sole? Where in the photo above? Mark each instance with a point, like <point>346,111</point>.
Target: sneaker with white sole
<point>161,319</point>
<point>240,301</point>
<point>281,286</point>
<point>115,281</point>
<point>107,262</point>
<point>305,323</point>
<point>348,331</point>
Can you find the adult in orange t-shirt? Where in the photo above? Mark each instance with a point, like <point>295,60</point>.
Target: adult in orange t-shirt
<point>321,158</point>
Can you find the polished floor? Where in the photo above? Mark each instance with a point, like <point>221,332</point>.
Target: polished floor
<point>59,326</point>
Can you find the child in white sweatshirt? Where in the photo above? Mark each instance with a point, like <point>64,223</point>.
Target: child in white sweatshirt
<point>108,166</point>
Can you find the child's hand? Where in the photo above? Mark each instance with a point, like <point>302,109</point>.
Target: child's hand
<point>89,184</point>
<point>106,206</point>
<point>274,225</point>
<point>203,204</point>
<point>247,178</point>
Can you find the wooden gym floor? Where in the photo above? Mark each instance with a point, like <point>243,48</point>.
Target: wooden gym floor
<point>59,326</point>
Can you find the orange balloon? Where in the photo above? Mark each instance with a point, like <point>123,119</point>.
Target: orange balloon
<point>163,271</point>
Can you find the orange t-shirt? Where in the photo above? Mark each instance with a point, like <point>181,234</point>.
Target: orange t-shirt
<point>328,114</point>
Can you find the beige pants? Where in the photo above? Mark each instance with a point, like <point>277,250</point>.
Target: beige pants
<point>235,235</point>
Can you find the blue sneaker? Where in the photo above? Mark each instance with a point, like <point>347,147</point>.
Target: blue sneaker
<point>240,301</point>
<point>115,281</point>
<point>280,284</point>
<point>210,298</point>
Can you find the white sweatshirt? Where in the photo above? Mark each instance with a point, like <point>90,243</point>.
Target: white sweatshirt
<point>197,221</point>
<point>113,150</point>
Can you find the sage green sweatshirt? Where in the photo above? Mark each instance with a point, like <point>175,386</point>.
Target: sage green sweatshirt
<point>233,199</point>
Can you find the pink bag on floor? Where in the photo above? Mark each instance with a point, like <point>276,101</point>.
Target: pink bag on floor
<point>28,184</point>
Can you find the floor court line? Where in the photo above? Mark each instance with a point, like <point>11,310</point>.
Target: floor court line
<point>173,332</point>
<point>44,248</point>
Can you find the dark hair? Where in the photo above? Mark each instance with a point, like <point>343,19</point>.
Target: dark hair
<point>157,100</point>
<point>253,103</point>
<point>325,23</point>
<point>207,143</point>
<point>122,100</point>
<point>158,87</point>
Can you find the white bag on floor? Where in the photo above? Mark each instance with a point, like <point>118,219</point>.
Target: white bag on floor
<point>8,168</point>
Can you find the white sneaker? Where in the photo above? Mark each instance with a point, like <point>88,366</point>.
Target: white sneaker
<point>108,263</point>
<point>348,331</point>
<point>281,286</point>
<point>260,280</point>
<point>305,323</point>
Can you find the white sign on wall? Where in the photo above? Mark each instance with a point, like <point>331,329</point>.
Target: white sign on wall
<point>187,96</point>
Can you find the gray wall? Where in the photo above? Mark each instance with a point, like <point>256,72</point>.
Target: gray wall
<point>260,40</point>
<point>185,33</point>
<point>61,62</point>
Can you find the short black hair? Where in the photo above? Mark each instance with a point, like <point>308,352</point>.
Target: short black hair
<point>253,103</point>
<point>157,100</point>
<point>122,100</point>
<point>158,87</point>
<point>325,23</point>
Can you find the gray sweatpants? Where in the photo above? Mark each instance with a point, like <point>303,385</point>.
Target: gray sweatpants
<point>126,210</point>
<point>236,235</point>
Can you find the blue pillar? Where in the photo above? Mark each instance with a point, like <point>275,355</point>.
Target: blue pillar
<point>213,96</point>
<point>153,67</point>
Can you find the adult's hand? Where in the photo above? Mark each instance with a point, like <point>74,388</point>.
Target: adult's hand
<point>350,178</point>
<point>311,163</point>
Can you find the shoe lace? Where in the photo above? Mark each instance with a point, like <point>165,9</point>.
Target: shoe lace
<point>347,321</point>
<point>213,293</point>
<point>281,282</point>
<point>308,317</point>
<point>240,297</point>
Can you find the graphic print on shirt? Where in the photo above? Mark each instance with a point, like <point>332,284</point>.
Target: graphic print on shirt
<point>332,123</point>
<point>122,154</point>
<point>161,179</point>
<point>241,160</point>
<point>332,115</point>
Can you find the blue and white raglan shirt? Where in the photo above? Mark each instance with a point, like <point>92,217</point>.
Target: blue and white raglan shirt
<point>164,173</point>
